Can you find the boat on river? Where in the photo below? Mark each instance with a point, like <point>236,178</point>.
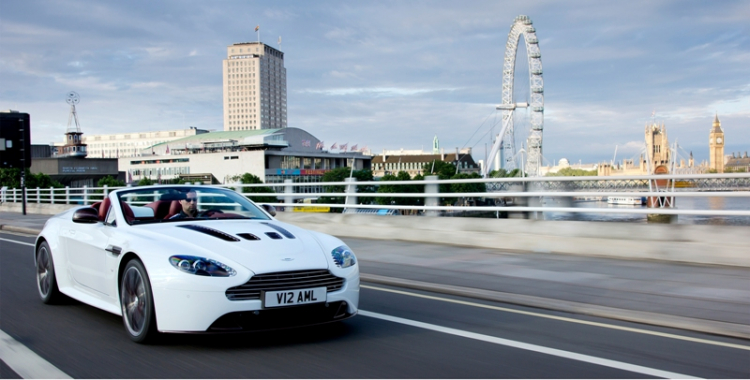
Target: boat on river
<point>633,201</point>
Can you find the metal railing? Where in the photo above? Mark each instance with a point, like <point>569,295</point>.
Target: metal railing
<point>525,196</point>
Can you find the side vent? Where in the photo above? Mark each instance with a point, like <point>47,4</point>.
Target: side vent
<point>248,236</point>
<point>210,231</point>
<point>281,230</point>
<point>274,235</point>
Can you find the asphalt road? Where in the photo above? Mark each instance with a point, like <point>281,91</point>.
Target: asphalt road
<point>400,334</point>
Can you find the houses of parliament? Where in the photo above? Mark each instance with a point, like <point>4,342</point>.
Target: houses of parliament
<point>658,156</point>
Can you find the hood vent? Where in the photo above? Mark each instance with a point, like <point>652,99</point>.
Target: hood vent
<point>274,235</point>
<point>281,230</point>
<point>210,231</point>
<point>248,236</point>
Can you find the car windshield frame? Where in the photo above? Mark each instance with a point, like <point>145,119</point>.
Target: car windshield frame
<point>150,205</point>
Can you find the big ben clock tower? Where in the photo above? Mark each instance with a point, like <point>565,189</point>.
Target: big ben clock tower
<point>716,146</point>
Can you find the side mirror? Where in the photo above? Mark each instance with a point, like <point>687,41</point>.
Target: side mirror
<point>87,215</point>
<point>269,209</point>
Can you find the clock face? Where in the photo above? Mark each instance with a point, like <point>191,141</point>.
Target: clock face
<point>719,140</point>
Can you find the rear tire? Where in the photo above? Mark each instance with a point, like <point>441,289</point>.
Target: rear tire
<point>137,303</point>
<point>46,281</point>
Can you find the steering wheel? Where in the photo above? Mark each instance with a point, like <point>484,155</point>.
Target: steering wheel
<point>208,213</point>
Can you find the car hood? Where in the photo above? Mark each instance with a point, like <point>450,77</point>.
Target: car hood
<point>262,246</point>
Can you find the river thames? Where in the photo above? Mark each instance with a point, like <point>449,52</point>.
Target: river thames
<point>686,203</point>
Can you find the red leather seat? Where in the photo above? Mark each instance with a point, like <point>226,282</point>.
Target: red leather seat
<point>174,209</point>
<point>104,208</point>
<point>161,208</point>
<point>127,212</point>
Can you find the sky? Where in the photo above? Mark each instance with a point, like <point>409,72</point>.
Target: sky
<point>390,74</point>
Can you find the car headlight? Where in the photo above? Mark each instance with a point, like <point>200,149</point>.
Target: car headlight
<point>343,257</point>
<point>201,266</point>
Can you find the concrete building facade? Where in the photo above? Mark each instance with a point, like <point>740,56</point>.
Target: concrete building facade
<point>273,155</point>
<point>413,161</point>
<point>76,171</point>
<point>132,144</point>
<point>737,163</point>
<point>254,80</point>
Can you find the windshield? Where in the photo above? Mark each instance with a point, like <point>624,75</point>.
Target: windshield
<point>175,203</point>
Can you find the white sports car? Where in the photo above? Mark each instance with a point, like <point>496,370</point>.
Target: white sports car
<point>194,259</point>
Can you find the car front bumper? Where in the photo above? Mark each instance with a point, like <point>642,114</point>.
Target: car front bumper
<point>181,311</point>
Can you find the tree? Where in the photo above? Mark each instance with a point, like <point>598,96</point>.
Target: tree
<point>401,201</point>
<point>466,187</point>
<point>442,169</point>
<point>11,177</point>
<point>145,181</point>
<point>502,173</point>
<point>110,181</point>
<point>176,181</point>
<point>571,172</point>
<point>478,187</point>
<point>338,175</point>
<point>249,179</point>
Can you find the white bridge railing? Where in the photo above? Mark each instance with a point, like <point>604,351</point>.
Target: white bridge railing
<point>523,197</point>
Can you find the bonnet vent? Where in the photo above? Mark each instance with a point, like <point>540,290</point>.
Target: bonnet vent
<point>281,230</point>
<point>248,236</point>
<point>273,235</point>
<point>210,231</point>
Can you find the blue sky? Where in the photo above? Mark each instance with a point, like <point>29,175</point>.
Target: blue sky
<point>389,74</point>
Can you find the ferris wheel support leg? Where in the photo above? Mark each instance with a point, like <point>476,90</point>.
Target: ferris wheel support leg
<point>498,143</point>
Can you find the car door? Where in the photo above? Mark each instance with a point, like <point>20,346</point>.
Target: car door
<point>87,255</point>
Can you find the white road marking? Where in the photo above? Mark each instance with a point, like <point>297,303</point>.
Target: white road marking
<point>7,232</point>
<point>572,320</point>
<point>530,347</point>
<point>25,362</point>
<point>18,242</point>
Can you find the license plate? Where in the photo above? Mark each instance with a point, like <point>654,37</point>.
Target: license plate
<point>294,297</point>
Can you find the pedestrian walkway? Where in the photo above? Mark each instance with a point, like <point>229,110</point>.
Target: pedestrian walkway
<point>713,299</point>
<point>29,220</point>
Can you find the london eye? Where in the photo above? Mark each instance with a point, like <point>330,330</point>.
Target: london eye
<point>527,157</point>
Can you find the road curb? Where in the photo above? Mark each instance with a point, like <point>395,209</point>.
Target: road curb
<point>655,319</point>
<point>24,230</point>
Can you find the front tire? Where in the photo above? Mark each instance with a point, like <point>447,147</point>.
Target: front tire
<point>46,281</point>
<point>137,303</point>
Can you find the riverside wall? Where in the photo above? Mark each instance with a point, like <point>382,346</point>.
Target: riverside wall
<point>697,244</point>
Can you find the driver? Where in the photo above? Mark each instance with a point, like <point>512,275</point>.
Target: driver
<point>189,206</point>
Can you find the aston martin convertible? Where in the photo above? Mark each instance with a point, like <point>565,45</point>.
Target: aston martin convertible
<point>194,259</point>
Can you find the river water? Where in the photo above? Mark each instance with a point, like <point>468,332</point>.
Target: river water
<point>688,203</point>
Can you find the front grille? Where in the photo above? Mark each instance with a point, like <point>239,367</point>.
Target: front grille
<point>301,279</point>
<point>283,317</point>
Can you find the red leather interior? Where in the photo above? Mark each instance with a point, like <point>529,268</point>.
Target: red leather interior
<point>161,208</point>
<point>128,212</point>
<point>104,208</point>
<point>174,209</point>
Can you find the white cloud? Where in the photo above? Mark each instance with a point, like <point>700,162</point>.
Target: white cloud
<point>147,85</point>
<point>376,91</point>
<point>88,83</point>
